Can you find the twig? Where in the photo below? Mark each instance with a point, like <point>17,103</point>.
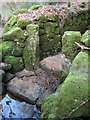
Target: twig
<point>82,46</point>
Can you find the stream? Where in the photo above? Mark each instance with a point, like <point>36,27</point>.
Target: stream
<point>13,108</point>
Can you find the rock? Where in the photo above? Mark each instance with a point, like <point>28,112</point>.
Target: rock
<point>16,62</point>
<point>86,38</point>
<point>71,99</point>
<point>2,75</point>
<point>33,88</point>
<point>10,48</point>
<point>56,65</point>
<point>31,51</point>
<point>68,43</point>
<point>5,66</point>
<point>8,77</point>
<point>24,73</point>
<point>3,88</point>
<point>24,89</point>
<point>15,34</point>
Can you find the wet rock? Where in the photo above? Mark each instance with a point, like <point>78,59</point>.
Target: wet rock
<point>24,73</point>
<point>2,75</point>
<point>71,99</point>
<point>34,87</point>
<point>57,65</point>
<point>13,108</point>
<point>8,77</point>
<point>16,62</point>
<point>86,38</point>
<point>5,66</point>
<point>68,43</point>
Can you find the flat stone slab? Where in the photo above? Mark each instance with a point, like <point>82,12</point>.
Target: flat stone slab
<point>30,89</point>
<point>56,64</point>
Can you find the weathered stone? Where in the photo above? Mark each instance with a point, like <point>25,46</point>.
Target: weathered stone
<point>71,99</point>
<point>5,66</point>
<point>24,73</point>
<point>33,88</point>
<point>57,65</point>
<point>16,62</point>
<point>68,43</point>
<point>31,51</point>
<point>10,48</point>
<point>15,34</point>
<point>86,38</point>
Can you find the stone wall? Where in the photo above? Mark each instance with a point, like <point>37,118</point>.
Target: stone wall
<point>31,35</point>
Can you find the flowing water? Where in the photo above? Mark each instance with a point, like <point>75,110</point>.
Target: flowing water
<point>12,108</point>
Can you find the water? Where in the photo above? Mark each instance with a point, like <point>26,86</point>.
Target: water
<point>12,108</point>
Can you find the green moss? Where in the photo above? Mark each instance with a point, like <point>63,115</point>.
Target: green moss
<point>67,101</point>
<point>82,5</point>
<point>15,34</point>
<point>68,43</point>
<point>16,62</point>
<point>86,38</point>
<point>10,23</point>
<point>33,7</point>
<point>10,48</point>
<point>22,23</point>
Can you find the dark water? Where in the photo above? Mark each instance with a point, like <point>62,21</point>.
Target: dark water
<point>12,108</point>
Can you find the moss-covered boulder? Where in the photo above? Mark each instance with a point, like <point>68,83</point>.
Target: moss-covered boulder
<point>68,43</point>
<point>15,34</point>
<point>72,96</point>
<point>22,23</point>
<point>10,48</point>
<point>31,51</point>
<point>16,62</point>
<point>86,38</point>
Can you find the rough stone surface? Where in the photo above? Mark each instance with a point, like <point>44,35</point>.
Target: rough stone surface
<point>8,77</point>
<point>57,65</point>
<point>2,75</point>
<point>3,88</point>
<point>68,43</point>
<point>34,87</point>
<point>71,99</point>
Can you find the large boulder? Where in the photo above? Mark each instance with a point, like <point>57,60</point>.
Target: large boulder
<point>71,99</point>
<point>57,65</point>
<point>16,62</point>
<point>10,48</point>
<point>68,43</point>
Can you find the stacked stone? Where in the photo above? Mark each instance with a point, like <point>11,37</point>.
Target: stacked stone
<point>49,33</point>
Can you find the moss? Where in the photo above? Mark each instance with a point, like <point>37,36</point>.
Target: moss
<point>68,43</point>
<point>22,23</point>
<point>67,101</point>
<point>15,34</point>
<point>10,48</point>
<point>10,23</point>
<point>33,7</point>
<point>16,62</point>
<point>31,53</point>
<point>52,18</point>
<point>86,38</point>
